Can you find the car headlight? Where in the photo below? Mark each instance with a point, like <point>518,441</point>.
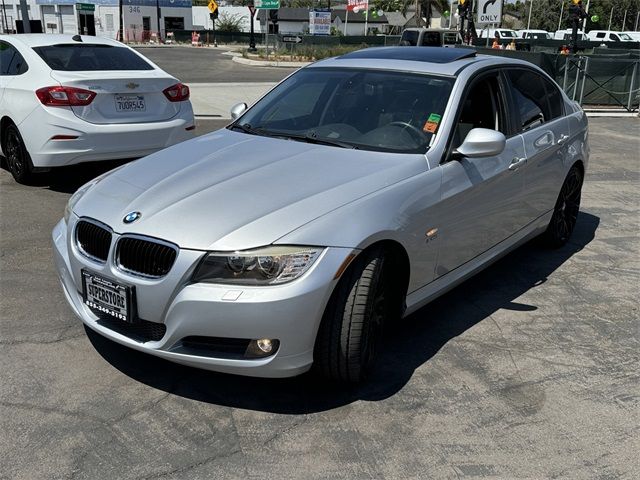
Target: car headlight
<point>265,266</point>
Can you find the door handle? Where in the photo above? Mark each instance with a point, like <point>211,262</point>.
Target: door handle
<point>517,163</point>
<point>563,138</point>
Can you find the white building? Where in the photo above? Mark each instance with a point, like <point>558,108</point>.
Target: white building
<point>201,20</point>
<point>101,17</point>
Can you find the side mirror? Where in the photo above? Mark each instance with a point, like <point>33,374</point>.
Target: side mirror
<point>237,110</point>
<point>482,142</point>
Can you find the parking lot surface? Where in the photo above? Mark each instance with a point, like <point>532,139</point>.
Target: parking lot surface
<point>528,370</point>
<point>209,64</point>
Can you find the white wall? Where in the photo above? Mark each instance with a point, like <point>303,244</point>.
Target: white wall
<point>133,23</point>
<point>200,16</point>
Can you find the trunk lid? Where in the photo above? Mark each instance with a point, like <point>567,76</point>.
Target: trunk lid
<point>122,96</point>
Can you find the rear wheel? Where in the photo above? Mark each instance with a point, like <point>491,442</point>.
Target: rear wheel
<point>18,160</point>
<point>350,330</point>
<point>565,213</point>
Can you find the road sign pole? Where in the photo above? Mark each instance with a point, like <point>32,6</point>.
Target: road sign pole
<point>252,38</point>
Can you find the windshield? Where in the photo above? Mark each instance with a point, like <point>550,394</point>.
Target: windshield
<point>353,108</point>
<point>79,57</point>
<point>508,34</point>
<point>624,36</point>
<point>409,38</point>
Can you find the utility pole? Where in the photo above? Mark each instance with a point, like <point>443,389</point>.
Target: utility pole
<point>158,13</point>
<point>5,24</point>
<point>529,21</point>
<point>121,29</point>
<point>25,16</point>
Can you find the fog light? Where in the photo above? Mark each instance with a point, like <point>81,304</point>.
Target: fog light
<point>265,345</point>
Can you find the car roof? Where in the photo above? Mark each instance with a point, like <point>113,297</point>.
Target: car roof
<point>43,39</point>
<point>433,60</point>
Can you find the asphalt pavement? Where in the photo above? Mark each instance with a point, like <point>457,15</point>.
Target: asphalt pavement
<point>209,65</point>
<point>529,370</point>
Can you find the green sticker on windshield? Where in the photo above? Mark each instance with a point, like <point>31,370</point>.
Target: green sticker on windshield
<point>431,125</point>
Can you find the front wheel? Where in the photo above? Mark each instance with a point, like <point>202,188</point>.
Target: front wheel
<point>18,160</point>
<point>352,322</point>
<point>565,212</point>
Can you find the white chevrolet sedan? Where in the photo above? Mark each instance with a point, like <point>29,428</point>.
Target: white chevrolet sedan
<point>70,99</point>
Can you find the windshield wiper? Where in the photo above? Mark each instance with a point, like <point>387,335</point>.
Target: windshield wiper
<point>311,137</point>
<point>246,128</point>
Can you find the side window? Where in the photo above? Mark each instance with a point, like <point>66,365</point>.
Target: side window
<point>482,108</point>
<point>530,98</point>
<point>6,55</point>
<point>615,37</point>
<point>600,35</point>
<point>11,62</point>
<point>18,65</point>
<point>554,97</point>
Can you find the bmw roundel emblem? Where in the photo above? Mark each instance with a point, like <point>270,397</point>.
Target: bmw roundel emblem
<point>131,217</point>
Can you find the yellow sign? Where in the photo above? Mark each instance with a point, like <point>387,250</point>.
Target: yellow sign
<point>213,6</point>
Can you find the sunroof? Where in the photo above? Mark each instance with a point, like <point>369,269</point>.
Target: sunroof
<point>416,54</point>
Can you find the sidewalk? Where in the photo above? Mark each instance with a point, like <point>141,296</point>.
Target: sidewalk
<point>216,99</point>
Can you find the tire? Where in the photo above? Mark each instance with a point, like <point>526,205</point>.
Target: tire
<point>352,322</point>
<point>565,212</point>
<point>17,157</point>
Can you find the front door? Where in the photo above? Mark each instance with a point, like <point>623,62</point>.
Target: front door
<point>482,198</point>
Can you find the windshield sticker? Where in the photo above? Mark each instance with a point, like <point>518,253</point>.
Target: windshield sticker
<point>431,125</point>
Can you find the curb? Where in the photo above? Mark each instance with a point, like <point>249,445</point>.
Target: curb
<point>264,63</point>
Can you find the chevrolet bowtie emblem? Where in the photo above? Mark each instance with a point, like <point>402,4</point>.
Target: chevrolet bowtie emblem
<point>132,85</point>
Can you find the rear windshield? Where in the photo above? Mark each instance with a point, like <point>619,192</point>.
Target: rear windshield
<point>90,57</point>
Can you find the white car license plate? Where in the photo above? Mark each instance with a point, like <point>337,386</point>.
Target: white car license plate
<point>130,103</point>
<point>107,296</point>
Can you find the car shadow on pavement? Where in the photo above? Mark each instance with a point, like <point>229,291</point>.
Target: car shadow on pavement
<point>409,345</point>
<point>69,179</point>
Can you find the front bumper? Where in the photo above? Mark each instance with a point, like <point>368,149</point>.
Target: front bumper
<point>290,313</point>
<point>98,141</point>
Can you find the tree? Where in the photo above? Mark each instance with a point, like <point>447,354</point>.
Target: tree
<point>228,22</point>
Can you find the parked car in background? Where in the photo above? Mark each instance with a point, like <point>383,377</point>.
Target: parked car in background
<point>566,35</point>
<point>503,33</point>
<point>608,36</point>
<point>535,34</point>
<point>69,99</point>
<point>430,37</point>
<point>353,193</point>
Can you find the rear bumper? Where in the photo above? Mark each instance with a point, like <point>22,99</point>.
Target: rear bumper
<point>97,141</point>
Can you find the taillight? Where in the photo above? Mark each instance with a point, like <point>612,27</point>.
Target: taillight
<point>65,96</point>
<point>177,93</point>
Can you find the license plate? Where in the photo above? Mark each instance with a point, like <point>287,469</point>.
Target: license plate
<point>130,103</point>
<point>107,296</point>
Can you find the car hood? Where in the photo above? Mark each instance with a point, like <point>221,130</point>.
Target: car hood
<point>231,191</point>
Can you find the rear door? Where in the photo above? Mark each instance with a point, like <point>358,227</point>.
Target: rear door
<point>538,109</point>
<point>128,88</point>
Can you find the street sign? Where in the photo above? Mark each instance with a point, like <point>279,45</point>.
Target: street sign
<point>267,4</point>
<point>291,39</point>
<point>85,7</point>
<point>213,6</point>
<point>320,22</point>
<point>489,12</point>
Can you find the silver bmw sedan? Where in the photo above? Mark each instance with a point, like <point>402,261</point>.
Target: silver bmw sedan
<point>353,193</point>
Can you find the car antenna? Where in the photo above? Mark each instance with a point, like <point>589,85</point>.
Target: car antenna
<point>76,38</point>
